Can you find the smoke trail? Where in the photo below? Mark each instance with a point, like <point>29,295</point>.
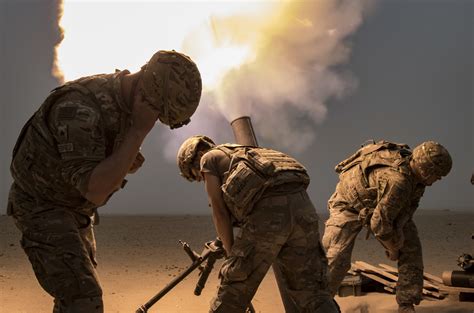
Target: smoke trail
<point>295,70</point>
<point>56,69</point>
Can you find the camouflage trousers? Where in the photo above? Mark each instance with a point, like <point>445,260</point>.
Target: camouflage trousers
<point>283,231</point>
<point>342,228</point>
<point>60,246</point>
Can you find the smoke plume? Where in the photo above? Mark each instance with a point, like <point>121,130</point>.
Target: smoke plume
<point>56,69</point>
<point>295,70</point>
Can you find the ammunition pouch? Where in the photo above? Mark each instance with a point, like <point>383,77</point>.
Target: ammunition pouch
<point>242,189</point>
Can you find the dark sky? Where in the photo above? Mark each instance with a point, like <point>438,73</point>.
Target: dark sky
<point>413,61</point>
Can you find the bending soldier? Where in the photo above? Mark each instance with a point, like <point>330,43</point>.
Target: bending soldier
<point>74,153</point>
<point>380,187</point>
<point>264,191</point>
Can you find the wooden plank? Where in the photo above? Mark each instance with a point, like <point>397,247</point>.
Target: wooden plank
<point>377,270</point>
<point>426,283</point>
<point>379,280</point>
<point>426,275</point>
<point>433,278</point>
<point>391,290</point>
<point>456,289</point>
<point>394,277</point>
<point>389,268</point>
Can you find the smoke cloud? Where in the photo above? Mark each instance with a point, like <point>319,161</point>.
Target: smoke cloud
<point>280,62</point>
<point>56,69</point>
<point>294,71</point>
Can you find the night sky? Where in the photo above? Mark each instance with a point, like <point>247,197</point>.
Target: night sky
<point>413,61</point>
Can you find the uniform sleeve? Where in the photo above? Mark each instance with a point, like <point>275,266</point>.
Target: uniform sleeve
<point>210,162</point>
<point>415,199</point>
<point>76,126</point>
<point>393,198</point>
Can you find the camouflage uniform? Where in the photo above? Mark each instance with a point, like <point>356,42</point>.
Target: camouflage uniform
<point>281,229</point>
<point>376,190</point>
<point>78,125</point>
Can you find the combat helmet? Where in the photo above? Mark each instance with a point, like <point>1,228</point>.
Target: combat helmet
<point>187,154</point>
<point>432,159</point>
<point>172,84</point>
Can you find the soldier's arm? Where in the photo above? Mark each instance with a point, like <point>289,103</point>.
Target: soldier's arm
<point>220,213</point>
<point>393,198</point>
<point>76,125</point>
<point>108,175</point>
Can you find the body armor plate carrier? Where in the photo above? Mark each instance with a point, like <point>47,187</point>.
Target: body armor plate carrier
<point>253,170</point>
<point>361,195</point>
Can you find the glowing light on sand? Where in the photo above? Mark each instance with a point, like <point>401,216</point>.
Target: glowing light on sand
<point>100,36</point>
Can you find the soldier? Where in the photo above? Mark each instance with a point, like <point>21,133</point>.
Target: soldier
<point>74,153</point>
<point>264,191</point>
<point>379,188</point>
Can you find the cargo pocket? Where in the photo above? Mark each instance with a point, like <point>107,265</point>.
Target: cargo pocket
<point>239,265</point>
<point>84,281</point>
<point>41,256</point>
<point>310,228</point>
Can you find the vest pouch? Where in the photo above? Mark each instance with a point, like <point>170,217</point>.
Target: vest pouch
<point>242,189</point>
<point>290,177</point>
<point>261,161</point>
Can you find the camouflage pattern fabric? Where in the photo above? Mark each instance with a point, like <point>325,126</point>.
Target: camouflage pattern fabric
<point>281,230</point>
<point>252,171</point>
<point>77,126</point>
<point>386,206</point>
<point>67,137</point>
<point>60,246</point>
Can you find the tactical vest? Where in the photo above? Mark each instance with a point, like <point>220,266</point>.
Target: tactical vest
<point>252,171</point>
<point>354,172</point>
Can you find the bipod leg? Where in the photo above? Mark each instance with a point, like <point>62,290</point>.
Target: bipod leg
<point>144,308</point>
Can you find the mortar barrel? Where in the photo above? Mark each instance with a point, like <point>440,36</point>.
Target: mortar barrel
<point>243,131</point>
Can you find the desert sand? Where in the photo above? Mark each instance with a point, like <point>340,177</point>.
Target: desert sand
<point>139,255</point>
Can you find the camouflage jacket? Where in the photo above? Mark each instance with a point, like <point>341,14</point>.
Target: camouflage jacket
<point>381,188</point>
<point>78,125</point>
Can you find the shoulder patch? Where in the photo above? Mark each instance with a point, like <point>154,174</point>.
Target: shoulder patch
<point>67,113</point>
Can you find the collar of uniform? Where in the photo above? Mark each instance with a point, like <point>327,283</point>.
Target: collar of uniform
<point>117,87</point>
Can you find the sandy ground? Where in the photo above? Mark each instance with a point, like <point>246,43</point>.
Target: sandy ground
<point>139,255</point>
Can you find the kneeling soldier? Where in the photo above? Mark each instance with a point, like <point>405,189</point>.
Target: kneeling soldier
<point>264,192</point>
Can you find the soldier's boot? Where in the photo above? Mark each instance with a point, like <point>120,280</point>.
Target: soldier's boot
<point>406,308</point>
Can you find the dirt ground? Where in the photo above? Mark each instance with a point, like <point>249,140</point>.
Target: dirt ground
<point>139,255</point>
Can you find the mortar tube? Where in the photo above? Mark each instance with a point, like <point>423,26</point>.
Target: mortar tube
<point>243,131</point>
<point>245,135</point>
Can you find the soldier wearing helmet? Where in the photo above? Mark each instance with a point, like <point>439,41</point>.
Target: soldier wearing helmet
<point>264,191</point>
<point>75,152</point>
<point>379,188</point>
